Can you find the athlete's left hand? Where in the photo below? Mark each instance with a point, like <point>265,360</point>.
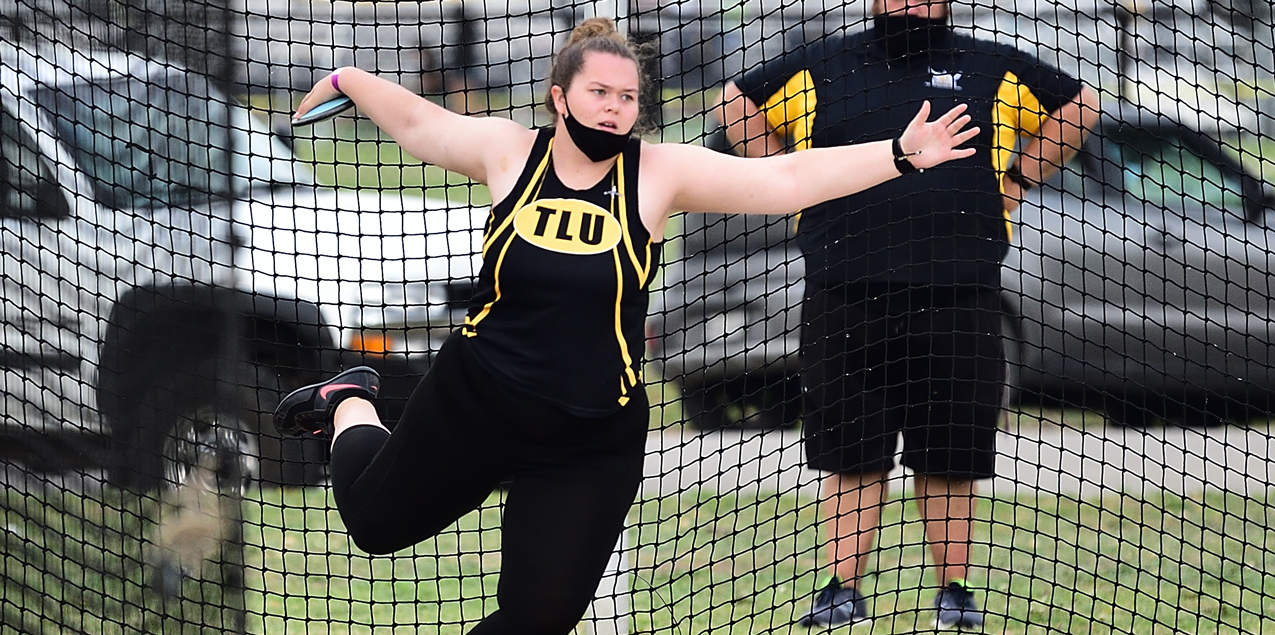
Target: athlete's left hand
<point>930,143</point>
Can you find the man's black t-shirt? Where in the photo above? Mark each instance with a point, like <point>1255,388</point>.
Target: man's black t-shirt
<point>946,225</point>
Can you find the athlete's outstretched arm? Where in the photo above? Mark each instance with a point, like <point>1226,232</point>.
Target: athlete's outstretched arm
<point>695,179</point>
<point>468,145</point>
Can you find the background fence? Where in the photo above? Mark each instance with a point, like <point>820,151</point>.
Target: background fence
<point>176,259</point>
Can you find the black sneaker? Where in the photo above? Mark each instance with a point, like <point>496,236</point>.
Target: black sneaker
<point>957,609</point>
<point>836,605</point>
<point>308,411</point>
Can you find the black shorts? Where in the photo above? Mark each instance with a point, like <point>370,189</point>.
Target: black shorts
<point>879,360</point>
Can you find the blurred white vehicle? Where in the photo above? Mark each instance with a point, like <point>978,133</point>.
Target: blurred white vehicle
<point>165,254</point>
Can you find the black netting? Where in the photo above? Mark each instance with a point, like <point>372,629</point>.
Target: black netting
<point>177,258</point>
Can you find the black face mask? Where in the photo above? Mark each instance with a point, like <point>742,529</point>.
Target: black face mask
<point>598,145</point>
<point>907,35</point>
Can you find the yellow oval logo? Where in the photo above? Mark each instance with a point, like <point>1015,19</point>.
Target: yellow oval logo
<point>567,226</point>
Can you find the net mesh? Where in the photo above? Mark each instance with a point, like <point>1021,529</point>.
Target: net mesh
<point>176,258</point>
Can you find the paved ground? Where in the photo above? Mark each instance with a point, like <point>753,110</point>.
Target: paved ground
<point>1047,458</point>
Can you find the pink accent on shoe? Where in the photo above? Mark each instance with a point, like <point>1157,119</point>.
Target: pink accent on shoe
<point>327,390</point>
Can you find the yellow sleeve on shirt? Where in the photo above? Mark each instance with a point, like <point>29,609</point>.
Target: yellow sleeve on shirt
<point>791,110</point>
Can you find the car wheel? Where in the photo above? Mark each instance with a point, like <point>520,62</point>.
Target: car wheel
<point>190,427</point>
<point>176,350</point>
<point>749,402</point>
<point>198,536</point>
<point>172,399</point>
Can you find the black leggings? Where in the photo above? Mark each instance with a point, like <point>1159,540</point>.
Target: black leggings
<point>571,481</point>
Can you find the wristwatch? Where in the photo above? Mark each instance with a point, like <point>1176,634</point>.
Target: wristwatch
<point>901,160</point>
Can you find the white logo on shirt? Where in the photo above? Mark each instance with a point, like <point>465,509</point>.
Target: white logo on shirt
<point>945,80</point>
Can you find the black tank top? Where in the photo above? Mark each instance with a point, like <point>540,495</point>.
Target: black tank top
<point>560,309</point>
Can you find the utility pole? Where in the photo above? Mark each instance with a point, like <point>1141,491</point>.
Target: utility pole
<point>1127,14</point>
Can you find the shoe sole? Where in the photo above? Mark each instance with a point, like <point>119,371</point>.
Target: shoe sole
<point>299,401</point>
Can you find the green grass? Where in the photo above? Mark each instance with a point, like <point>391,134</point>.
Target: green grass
<point>305,577</point>
<point>725,564</point>
<point>702,562</point>
<point>74,564</point>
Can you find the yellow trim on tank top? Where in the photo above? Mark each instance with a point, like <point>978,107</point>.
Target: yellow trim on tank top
<point>500,261</point>
<point>619,279</point>
<point>537,180</point>
<point>643,270</point>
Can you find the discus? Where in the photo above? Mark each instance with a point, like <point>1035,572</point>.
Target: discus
<point>325,110</point>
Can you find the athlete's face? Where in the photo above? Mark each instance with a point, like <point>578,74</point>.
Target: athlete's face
<point>929,9</point>
<point>603,95</point>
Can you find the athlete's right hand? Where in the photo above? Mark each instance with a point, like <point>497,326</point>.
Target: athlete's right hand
<point>322,91</point>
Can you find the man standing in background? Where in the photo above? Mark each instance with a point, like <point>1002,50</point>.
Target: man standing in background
<point>901,328</point>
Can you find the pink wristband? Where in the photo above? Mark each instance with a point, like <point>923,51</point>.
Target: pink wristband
<point>335,84</point>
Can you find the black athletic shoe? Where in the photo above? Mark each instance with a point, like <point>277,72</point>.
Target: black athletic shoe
<point>957,609</point>
<point>837,605</point>
<point>308,411</point>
